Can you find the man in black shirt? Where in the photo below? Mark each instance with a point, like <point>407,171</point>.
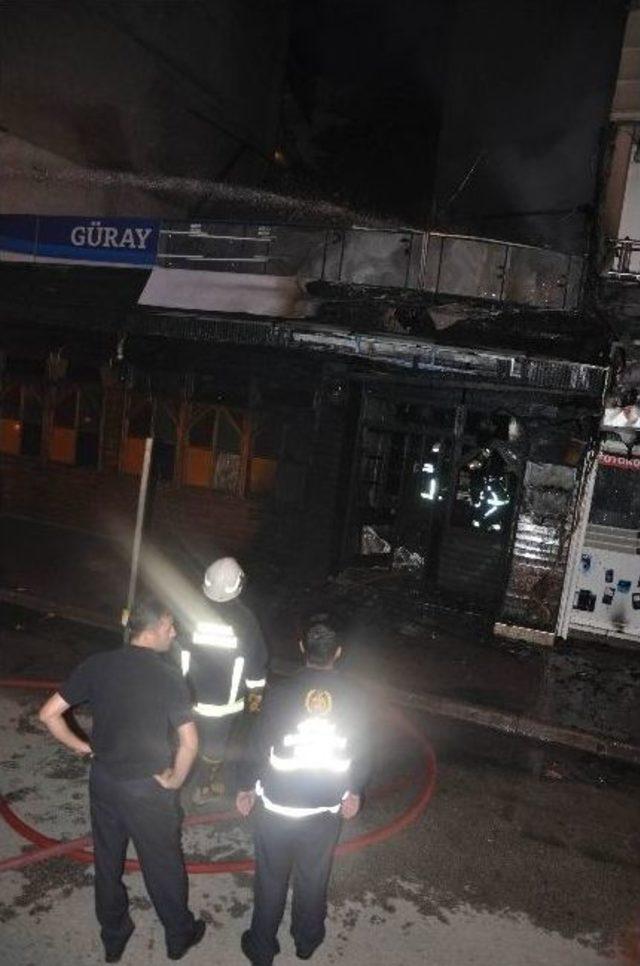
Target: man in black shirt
<point>307,766</point>
<point>140,704</point>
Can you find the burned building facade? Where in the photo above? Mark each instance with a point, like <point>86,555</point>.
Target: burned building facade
<point>319,394</point>
<point>329,421</point>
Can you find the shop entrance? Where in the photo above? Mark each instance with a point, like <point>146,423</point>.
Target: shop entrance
<point>433,489</point>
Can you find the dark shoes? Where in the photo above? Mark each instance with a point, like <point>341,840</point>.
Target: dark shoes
<point>113,953</point>
<point>305,953</point>
<point>198,932</point>
<point>246,945</point>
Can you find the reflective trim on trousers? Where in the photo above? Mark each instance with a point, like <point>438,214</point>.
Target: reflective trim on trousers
<point>218,710</point>
<point>234,704</point>
<point>291,811</point>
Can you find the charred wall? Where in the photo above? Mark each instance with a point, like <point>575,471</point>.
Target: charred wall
<point>541,546</point>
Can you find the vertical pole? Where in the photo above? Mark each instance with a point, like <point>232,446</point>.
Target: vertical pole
<point>137,537</point>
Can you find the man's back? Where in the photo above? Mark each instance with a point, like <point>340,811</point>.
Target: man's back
<point>310,744</point>
<point>136,698</point>
<point>226,644</point>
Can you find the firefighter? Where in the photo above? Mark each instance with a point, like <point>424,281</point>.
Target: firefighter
<point>305,773</point>
<point>225,661</point>
<point>489,491</point>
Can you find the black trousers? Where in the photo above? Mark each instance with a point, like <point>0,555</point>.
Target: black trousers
<point>300,849</point>
<point>149,815</point>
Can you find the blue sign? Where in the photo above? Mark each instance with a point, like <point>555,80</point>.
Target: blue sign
<point>128,241</point>
<point>18,234</point>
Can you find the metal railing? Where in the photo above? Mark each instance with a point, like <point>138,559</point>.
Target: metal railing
<point>625,258</point>
<point>452,265</point>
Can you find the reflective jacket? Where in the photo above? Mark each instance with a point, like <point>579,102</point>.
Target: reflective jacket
<point>225,657</point>
<point>309,746</point>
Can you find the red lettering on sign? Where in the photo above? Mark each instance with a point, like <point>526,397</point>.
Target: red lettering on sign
<point>619,462</point>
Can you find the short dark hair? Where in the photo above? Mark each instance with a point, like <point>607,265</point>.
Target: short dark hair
<point>145,615</point>
<point>320,642</point>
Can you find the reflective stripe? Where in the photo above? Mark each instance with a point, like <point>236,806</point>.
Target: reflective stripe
<point>234,704</point>
<point>336,765</point>
<point>254,685</point>
<point>315,747</point>
<point>218,710</point>
<point>290,810</point>
<point>236,678</point>
<point>185,661</point>
<point>214,634</point>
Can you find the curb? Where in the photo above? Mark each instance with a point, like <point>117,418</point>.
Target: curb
<point>67,611</point>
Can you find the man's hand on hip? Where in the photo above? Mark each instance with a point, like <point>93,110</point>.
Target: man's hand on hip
<point>168,780</point>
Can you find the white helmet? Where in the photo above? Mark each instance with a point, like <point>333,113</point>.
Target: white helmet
<point>223,580</point>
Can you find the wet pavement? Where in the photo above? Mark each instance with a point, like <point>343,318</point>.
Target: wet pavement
<point>512,864</point>
<point>393,634</point>
<point>501,870</point>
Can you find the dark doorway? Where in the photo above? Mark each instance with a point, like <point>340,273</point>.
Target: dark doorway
<point>433,490</point>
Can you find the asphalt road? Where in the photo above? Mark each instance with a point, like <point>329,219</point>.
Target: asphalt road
<point>523,858</point>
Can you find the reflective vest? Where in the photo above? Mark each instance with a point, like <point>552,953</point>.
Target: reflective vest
<point>217,638</point>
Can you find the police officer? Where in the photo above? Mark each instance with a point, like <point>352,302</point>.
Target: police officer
<point>139,704</point>
<point>306,771</point>
<point>226,663</point>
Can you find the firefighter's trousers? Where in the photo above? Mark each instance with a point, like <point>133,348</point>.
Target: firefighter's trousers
<point>213,747</point>
<point>300,849</point>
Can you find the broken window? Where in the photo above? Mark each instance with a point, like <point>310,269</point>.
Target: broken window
<point>75,428</point>
<point>616,499</point>
<point>166,415</point>
<point>148,416</point>
<point>227,473</point>
<point>21,410</point>
<point>265,452</point>
<point>293,460</point>
<point>215,447</point>
<point>137,427</point>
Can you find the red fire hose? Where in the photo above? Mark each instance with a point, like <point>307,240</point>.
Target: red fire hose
<point>77,849</point>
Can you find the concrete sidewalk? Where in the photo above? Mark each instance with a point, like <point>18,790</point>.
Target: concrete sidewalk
<point>500,871</point>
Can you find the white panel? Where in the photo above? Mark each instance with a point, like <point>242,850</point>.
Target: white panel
<point>181,288</point>
<point>630,220</point>
<point>626,100</point>
<point>611,585</point>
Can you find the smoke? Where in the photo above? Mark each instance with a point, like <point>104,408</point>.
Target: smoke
<point>207,197</point>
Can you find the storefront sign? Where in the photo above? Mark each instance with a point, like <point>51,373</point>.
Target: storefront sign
<point>128,241</point>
